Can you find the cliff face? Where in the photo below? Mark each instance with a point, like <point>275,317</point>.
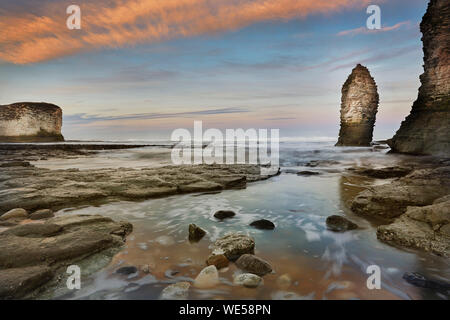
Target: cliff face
<point>427,129</point>
<point>30,122</point>
<point>358,109</point>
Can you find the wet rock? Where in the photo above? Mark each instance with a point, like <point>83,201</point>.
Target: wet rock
<point>308,173</point>
<point>35,230</point>
<point>17,213</point>
<point>195,233</point>
<point>421,281</point>
<point>247,280</point>
<point>224,214</point>
<point>358,109</point>
<point>145,268</point>
<point>383,173</point>
<point>177,291</point>
<point>127,270</point>
<point>207,278</point>
<point>42,214</point>
<point>233,245</point>
<point>423,228</point>
<point>321,163</point>
<point>16,283</point>
<point>253,264</point>
<point>218,260</point>
<point>339,223</point>
<point>263,224</point>
<point>11,164</point>
<point>419,188</point>
<point>426,130</point>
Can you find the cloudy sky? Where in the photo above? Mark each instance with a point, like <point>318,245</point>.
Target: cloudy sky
<point>138,69</point>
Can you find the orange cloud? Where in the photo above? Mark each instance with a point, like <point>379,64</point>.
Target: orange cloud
<point>29,38</point>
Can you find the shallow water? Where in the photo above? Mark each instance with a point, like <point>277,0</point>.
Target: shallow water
<point>321,264</point>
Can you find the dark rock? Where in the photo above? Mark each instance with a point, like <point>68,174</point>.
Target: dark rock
<point>195,233</point>
<point>218,260</point>
<point>253,264</point>
<point>127,270</point>
<point>42,214</point>
<point>307,173</point>
<point>426,130</point>
<point>263,224</point>
<point>224,214</point>
<point>383,173</point>
<point>358,109</point>
<point>421,281</point>
<point>338,223</point>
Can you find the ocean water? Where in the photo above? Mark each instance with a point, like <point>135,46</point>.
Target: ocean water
<point>321,264</point>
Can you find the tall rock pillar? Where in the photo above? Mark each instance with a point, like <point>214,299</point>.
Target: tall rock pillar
<point>358,109</point>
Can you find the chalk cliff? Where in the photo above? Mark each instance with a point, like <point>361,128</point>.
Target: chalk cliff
<point>358,109</point>
<point>427,129</point>
<point>30,122</point>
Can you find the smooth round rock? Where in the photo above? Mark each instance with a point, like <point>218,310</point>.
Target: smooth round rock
<point>207,278</point>
<point>253,264</point>
<point>42,214</point>
<point>177,291</point>
<point>263,224</point>
<point>338,224</point>
<point>17,213</point>
<point>248,280</point>
<point>224,214</point>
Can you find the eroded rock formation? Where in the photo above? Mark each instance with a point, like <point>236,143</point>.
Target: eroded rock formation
<point>358,109</point>
<point>30,122</point>
<point>427,129</point>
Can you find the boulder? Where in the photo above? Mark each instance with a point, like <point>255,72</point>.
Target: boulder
<point>42,214</point>
<point>177,291</point>
<point>421,281</point>
<point>224,214</point>
<point>207,278</point>
<point>247,280</point>
<point>252,264</point>
<point>339,223</point>
<point>218,260</point>
<point>358,109</point>
<point>263,224</point>
<point>127,270</point>
<point>195,233</point>
<point>16,283</point>
<point>426,130</point>
<point>233,245</point>
<point>15,214</point>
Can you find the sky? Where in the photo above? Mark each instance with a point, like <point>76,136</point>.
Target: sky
<point>138,69</point>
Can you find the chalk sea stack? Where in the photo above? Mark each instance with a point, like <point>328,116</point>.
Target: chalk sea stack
<point>30,122</point>
<point>426,131</point>
<point>358,109</point>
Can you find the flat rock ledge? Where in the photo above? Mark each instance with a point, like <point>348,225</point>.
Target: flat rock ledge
<point>31,254</point>
<point>417,207</point>
<point>33,188</point>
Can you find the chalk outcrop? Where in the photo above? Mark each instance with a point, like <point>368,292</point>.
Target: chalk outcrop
<point>30,122</point>
<point>358,109</point>
<point>427,129</point>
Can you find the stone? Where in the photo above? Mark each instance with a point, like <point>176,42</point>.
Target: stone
<point>218,260</point>
<point>15,214</point>
<point>195,233</point>
<point>30,122</point>
<point>263,224</point>
<point>224,214</point>
<point>127,270</point>
<point>358,109</point>
<point>247,280</point>
<point>426,130</point>
<point>339,223</point>
<point>284,281</point>
<point>207,278</point>
<point>34,230</point>
<point>308,173</point>
<point>16,283</point>
<point>233,245</point>
<point>253,264</point>
<point>42,214</point>
<point>383,173</point>
<point>421,281</point>
<point>177,291</point>
<point>145,268</point>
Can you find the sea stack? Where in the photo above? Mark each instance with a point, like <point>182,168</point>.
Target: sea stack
<point>358,109</point>
<point>426,131</point>
<point>30,122</point>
